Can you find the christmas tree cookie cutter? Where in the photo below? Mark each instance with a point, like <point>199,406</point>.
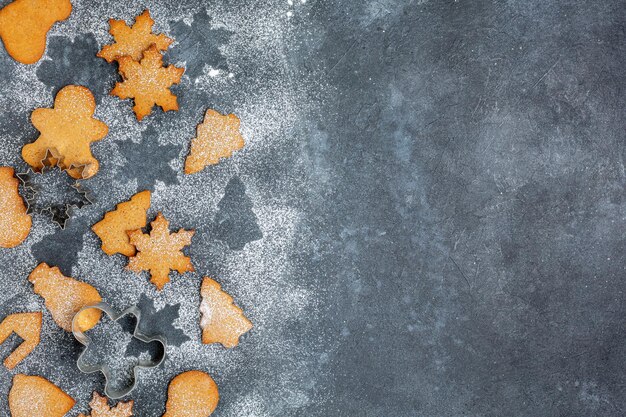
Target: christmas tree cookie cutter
<point>87,368</point>
<point>60,213</point>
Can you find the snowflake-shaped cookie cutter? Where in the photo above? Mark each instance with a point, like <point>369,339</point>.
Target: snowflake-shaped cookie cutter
<point>58,214</point>
<point>87,368</point>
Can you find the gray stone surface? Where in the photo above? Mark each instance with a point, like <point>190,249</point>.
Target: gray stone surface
<point>428,218</point>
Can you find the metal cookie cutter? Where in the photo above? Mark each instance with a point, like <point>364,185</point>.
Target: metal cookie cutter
<point>59,213</point>
<point>143,363</point>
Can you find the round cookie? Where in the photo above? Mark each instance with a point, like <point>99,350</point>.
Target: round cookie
<point>191,394</point>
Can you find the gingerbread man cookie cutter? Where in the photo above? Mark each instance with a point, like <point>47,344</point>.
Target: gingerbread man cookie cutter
<point>87,368</point>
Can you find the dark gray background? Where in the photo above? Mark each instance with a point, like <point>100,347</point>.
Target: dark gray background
<point>428,221</point>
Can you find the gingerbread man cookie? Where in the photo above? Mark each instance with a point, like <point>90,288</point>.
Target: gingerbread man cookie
<point>67,131</point>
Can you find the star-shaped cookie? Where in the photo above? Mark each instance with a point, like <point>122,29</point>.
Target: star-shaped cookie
<point>100,407</point>
<point>148,82</point>
<point>133,41</point>
<point>160,251</point>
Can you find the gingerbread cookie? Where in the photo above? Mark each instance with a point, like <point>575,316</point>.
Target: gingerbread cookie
<point>24,25</point>
<point>100,408</point>
<point>67,130</point>
<point>217,137</point>
<point>133,41</point>
<point>148,82</point>
<point>191,394</point>
<point>15,223</point>
<point>222,321</point>
<point>28,327</point>
<point>127,216</point>
<point>65,296</point>
<point>160,251</point>
<point>32,396</point>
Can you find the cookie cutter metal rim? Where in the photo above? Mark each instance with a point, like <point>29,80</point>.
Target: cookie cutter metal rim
<point>142,364</point>
<point>25,179</point>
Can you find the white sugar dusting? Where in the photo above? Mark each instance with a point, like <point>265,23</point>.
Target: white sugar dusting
<point>206,313</point>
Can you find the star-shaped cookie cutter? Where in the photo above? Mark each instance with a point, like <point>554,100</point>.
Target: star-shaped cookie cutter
<point>59,214</point>
<point>142,363</point>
